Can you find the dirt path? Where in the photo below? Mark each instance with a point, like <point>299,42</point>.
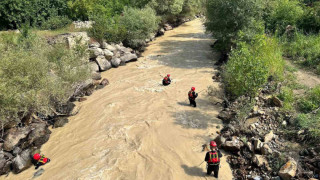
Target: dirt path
<point>304,77</point>
<point>137,129</point>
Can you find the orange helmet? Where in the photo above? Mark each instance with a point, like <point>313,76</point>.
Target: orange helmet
<point>36,156</point>
<point>193,88</point>
<point>213,144</point>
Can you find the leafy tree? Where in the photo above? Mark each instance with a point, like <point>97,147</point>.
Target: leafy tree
<point>140,23</point>
<point>226,18</point>
<point>14,13</point>
<point>282,14</point>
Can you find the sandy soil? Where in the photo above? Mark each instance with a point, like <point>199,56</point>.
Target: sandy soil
<point>135,128</point>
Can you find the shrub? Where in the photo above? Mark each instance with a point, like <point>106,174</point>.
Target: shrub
<point>226,18</point>
<point>85,9</point>
<point>282,14</point>
<point>167,7</point>
<point>34,76</point>
<point>110,29</point>
<point>250,65</point>
<point>140,23</point>
<point>56,22</point>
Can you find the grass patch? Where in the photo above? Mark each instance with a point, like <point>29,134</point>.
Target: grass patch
<point>305,49</point>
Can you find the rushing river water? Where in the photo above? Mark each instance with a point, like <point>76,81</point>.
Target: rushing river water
<point>135,128</point>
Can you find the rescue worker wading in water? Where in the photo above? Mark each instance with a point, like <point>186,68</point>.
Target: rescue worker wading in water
<point>192,96</point>
<point>213,159</point>
<point>166,80</point>
<point>40,160</point>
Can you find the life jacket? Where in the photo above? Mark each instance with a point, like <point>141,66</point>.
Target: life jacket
<point>190,94</point>
<point>166,79</point>
<point>214,157</point>
<point>43,159</point>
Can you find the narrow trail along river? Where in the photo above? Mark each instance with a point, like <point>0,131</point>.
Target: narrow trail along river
<point>135,128</point>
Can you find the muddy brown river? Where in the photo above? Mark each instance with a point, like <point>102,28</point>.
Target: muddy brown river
<point>135,128</point>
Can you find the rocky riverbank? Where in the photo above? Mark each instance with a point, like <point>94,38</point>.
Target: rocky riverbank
<point>263,141</point>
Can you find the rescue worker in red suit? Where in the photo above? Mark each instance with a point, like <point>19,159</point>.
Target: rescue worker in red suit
<point>192,97</point>
<point>166,80</point>
<point>40,160</point>
<point>213,159</point>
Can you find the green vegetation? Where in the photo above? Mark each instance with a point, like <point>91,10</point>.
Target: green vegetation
<point>310,122</point>
<point>140,23</point>
<point>34,76</point>
<point>311,101</point>
<point>305,48</point>
<point>226,18</point>
<point>250,65</point>
<point>255,35</point>
<point>283,13</point>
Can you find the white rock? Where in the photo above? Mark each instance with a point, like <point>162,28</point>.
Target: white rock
<point>108,54</point>
<point>103,63</point>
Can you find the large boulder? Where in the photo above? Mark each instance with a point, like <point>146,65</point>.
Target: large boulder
<point>234,145</point>
<point>94,66</point>
<point>125,50</point>
<point>103,63</point>
<point>260,161</point>
<point>4,166</point>
<point>129,57</point>
<point>167,27</point>
<point>94,45</point>
<point>71,39</point>
<point>225,116</point>
<point>39,135</point>
<point>110,48</point>
<point>108,54</point>
<point>22,161</point>
<point>5,162</point>
<point>95,52</point>
<point>220,140</point>
<point>161,32</point>
<point>115,62</point>
<point>60,122</point>
<point>14,137</point>
<point>96,76</point>
<point>288,170</point>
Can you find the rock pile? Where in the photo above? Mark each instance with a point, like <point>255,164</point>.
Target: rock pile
<point>254,135</point>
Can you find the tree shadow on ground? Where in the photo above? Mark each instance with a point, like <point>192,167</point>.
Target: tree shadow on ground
<point>193,171</point>
<point>187,54</point>
<point>195,119</point>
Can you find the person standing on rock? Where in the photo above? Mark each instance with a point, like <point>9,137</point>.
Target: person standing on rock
<point>166,80</point>
<point>213,159</point>
<point>40,160</point>
<point>192,95</point>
